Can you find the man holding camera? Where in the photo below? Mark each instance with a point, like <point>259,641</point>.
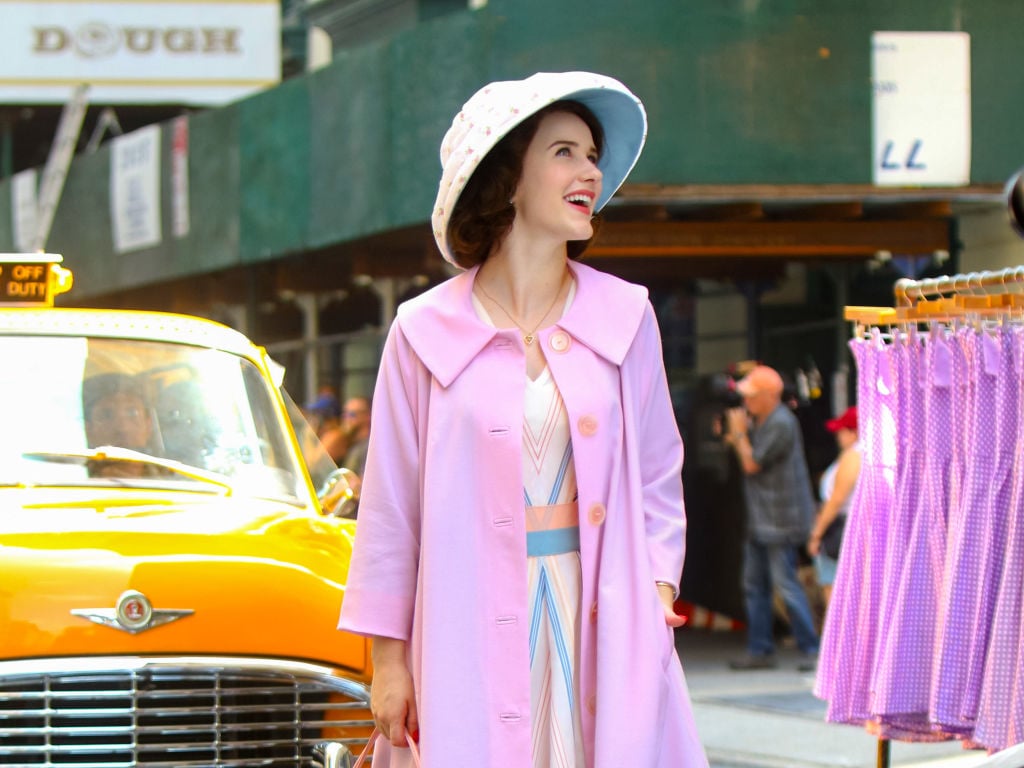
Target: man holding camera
<point>765,435</point>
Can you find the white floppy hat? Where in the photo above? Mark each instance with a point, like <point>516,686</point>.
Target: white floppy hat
<point>497,108</point>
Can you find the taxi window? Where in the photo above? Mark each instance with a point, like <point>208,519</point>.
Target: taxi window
<point>203,408</point>
<point>40,387</point>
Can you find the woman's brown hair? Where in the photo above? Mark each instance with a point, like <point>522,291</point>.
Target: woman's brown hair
<point>483,214</point>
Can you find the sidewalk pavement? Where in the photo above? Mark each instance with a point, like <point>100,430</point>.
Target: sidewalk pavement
<point>771,719</point>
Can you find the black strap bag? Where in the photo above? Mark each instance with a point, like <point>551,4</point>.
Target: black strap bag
<point>833,537</point>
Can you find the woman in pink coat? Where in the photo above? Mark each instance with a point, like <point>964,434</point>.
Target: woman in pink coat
<point>521,528</point>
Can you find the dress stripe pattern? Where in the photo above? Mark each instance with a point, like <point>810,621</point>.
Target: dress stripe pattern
<point>554,577</point>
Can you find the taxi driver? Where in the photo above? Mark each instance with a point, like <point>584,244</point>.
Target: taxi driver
<point>116,414</point>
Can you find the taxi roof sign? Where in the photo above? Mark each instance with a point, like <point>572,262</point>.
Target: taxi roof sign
<point>32,279</point>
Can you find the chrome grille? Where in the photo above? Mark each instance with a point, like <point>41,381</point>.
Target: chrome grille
<point>152,712</point>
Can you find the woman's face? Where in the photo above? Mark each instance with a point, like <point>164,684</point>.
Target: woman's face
<point>845,438</point>
<point>560,181</point>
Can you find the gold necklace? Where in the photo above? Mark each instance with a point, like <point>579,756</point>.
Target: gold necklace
<point>528,336</point>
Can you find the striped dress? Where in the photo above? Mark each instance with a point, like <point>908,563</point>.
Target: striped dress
<point>552,545</point>
<point>553,570</point>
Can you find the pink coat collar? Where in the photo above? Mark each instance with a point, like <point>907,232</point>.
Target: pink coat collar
<point>444,330</point>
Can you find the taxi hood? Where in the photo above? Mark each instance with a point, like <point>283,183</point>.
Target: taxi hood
<point>237,575</point>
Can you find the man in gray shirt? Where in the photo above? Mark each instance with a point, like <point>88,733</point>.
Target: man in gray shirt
<point>765,435</point>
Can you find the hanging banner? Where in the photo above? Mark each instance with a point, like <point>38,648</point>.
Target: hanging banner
<point>135,189</point>
<point>201,52</point>
<point>922,108</point>
<point>24,209</point>
<point>179,177</point>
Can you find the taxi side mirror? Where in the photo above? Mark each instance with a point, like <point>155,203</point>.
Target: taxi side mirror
<point>339,494</point>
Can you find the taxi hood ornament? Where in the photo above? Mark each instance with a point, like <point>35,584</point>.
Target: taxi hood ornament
<point>132,614</point>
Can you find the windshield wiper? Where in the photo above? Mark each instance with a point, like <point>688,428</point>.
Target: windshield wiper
<point>113,453</point>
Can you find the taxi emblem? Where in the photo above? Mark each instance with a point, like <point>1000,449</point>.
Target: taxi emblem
<point>133,613</point>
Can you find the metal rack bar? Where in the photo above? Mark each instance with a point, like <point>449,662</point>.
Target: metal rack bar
<point>906,290</point>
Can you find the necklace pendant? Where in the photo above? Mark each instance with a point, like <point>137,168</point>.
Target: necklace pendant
<point>528,338</point>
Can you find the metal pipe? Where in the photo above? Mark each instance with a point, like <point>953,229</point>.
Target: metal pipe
<point>883,753</point>
<point>907,290</point>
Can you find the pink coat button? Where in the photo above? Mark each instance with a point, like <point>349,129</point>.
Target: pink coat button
<point>591,704</point>
<point>559,341</point>
<point>596,514</point>
<point>593,614</point>
<point>587,426</point>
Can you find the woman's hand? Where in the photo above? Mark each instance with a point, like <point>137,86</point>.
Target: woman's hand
<point>814,544</point>
<point>667,596</point>
<point>392,698</point>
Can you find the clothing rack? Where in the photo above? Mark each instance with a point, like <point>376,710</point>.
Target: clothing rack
<point>984,283</point>
<point>943,298</point>
<point>948,297</point>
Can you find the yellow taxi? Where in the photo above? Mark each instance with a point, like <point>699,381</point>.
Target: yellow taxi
<point>170,581</point>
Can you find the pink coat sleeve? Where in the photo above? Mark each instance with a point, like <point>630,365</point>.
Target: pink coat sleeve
<point>381,588</point>
<point>660,450</point>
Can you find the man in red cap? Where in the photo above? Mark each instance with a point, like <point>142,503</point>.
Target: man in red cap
<point>765,436</point>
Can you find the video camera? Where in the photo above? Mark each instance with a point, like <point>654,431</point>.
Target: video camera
<point>722,390</point>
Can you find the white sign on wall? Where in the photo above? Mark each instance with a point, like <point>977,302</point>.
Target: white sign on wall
<point>139,51</point>
<point>922,108</point>
<point>135,189</point>
<point>24,209</point>
<point>179,177</point>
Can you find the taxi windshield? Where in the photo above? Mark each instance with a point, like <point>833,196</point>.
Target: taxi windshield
<point>113,411</point>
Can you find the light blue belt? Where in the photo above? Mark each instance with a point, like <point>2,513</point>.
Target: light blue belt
<point>556,541</point>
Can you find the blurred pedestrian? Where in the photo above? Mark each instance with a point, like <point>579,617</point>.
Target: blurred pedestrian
<point>324,415</point>
<point>765,436</point>
<point>355,424</point>
<point>521,528</point>
<point>835,490</point>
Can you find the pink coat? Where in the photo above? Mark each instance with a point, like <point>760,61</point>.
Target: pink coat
<point>440,548</point>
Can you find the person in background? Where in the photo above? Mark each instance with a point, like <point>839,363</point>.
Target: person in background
<point>765,436</point>
<point>116,414</point>
<point>835,490</point>
<point>521,528</point>
<point>324,415</point>
<point>355,424</point>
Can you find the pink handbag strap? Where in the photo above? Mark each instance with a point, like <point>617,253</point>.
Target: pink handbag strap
<point>378,735</point>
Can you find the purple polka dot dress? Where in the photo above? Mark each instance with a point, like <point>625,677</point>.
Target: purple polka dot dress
<point>924,637</point>
<point>967,595</point>
<point>999,721</point>
<point>916,552</point>
<point>847,653</point>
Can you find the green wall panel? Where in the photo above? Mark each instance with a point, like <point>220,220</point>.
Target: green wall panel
<point>274,170</point>
<point>82,229</point>
<point>777,93</point>
<point>348,189</point>
<point>433,72</point>
<point>214,191</point>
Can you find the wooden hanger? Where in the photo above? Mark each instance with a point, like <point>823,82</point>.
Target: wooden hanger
<point>870,315</point>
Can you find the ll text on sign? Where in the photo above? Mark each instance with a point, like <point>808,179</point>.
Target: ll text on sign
<point>921,83</point>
